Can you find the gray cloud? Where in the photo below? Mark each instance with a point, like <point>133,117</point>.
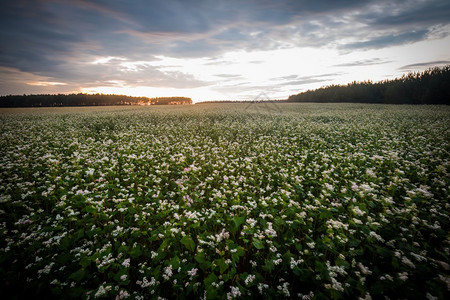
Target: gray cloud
<point>364,62</point>
<point>287,77</point>
<point>137,75</point>
<point>302,80</point>
<point>57,39</point>
<point>425,65</point>
<point>228,75</point>
<point>389,40</point>
<point>249,90</point>
<point>414,13</point>
<point>316,78</point>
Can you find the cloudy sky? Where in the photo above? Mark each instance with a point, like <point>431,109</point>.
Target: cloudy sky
<point>215,49</point>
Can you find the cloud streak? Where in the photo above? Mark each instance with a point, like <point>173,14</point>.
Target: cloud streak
<point>425,65</point>
<point>363,62</point>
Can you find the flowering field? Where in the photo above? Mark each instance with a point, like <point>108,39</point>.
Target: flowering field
<point>309,201</point>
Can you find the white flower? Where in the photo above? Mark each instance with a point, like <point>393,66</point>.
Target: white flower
<point>102,291</point>
<point>262,286</point>
<point>251,222</point>
<point>270,231</point>
<point>445,280</point>
<point>329,187</point>
<point>167,272</point>
<point>407,262</point>
<point>376,236</point>
<point>192,272</point>
<point>126,263</point>
<point>90,172</point>
<point>358,211</point>
<point>234,293</point>
<point>403,276</point>
<point>249,279</point>
<point>335,285</point>
<point>364,269</point>
<point>122,295</point>
<point>276,262</point>
<point>284,288</point>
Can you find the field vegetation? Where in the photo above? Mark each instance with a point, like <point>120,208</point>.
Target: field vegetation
<point>305,201</point>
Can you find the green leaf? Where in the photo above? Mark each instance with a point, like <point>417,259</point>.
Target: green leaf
<point>222,265</point>
<point>78,235</point>
<point>65,243</point>
<point>211,292</point>
<point>119,274</point>
<point>268,266</point>
<point>297,271</point>
<point>354,243</point>
<point>136,251</point>
<point>343,263</point>
<point>175,262</point>
<point>90,209</point>
<point>385,252</point>
<point>76,292</point>
<point>163,246</point>
<point>210,289</point>
<point>200,257</point>
<point>56,291</point>
<point>157,271</point>
<point>237,221</point>
<point>258,244</point>
<point>319,266</point>
<point>210,279</point>
<point>78,275</point>
<point>188,243</point>
<point>84,262</point>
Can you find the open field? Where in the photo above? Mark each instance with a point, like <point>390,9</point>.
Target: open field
<point>309,201</point>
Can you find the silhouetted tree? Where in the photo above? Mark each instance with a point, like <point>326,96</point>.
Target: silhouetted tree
<point>429,87</point>
<point>86,100</point>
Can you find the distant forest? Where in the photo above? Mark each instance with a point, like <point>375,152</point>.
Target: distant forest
<point>86,100</point>
<point>429,87</point>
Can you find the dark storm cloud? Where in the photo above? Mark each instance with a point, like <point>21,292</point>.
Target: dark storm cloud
<point>59,39</point>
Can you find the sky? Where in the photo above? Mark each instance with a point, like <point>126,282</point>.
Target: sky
<point>215,49</point>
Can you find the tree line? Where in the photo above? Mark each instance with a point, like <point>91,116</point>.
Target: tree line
<point>429,87</point>
<point>47,100</point>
